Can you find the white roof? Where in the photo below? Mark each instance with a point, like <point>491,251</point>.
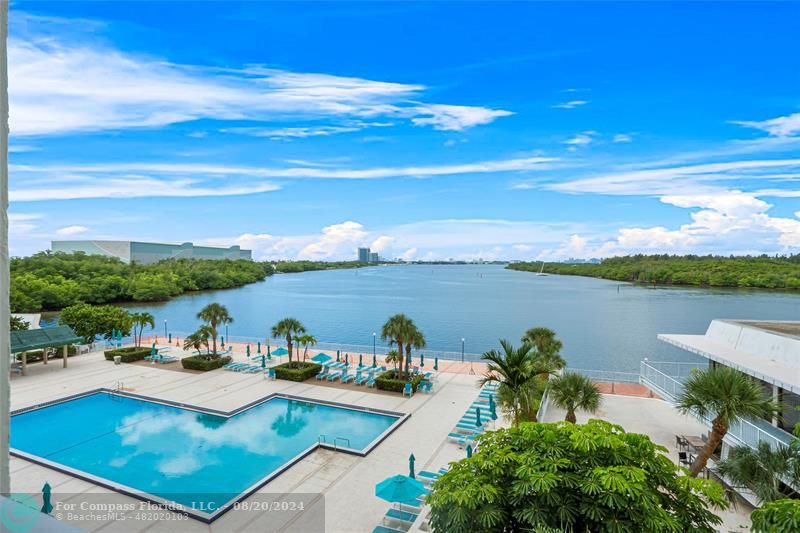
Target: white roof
<point>769,351</point>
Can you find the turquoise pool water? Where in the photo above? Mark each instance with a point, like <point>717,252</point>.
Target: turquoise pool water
<point>196,459</point>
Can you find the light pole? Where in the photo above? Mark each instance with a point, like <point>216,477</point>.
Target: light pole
<point>462,349</point>
<point>374,337</point>
<point>165,327</point>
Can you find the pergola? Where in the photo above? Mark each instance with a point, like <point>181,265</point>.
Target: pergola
<point>41,339</point>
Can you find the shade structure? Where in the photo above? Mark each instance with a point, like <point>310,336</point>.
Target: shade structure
<point>492,408</point>
<point>47,507</point>
<point>411,460</point>
<point>436,363</point>
<point>478,417</point>
<point>399,489</point>
<point>280,351</point>
<point>469,451</point>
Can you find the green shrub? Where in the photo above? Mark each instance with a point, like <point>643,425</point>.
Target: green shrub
<point>201,362</point>
<point>128,354</point>
<point>389,381</point>
<point>780,516</point>
<point>297,370</point>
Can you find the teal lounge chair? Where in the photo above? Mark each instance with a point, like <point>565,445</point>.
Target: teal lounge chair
<point>407,390</point>
<point>399,515</point>
<point>271,373</point>
<point>385,529</point>
<point>333,376</point>
<point>371,382</point>
<point>364,378</point>
<point>350,377</point>
<point>322,373</point>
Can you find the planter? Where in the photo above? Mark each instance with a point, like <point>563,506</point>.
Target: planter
<point>117,359</point>
<point>128,354</point>
<point>204,364</point>
<point>389,381</point>
<point>297,370</point>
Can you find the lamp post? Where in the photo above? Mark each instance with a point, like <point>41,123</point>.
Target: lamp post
<point>165,327</point>
<point>374,336</point>
<point>462,349</point>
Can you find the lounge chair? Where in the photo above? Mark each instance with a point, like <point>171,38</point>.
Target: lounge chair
<point>346,378</point>
<point>385,529</point>
<point>364,378</point>
<point>428,477</point>
<point>401,516</point>
<point>233,366</point>
<point>407,390</point>
<point>371,382</point>
<point>333,376</point>
<point>323,373</point>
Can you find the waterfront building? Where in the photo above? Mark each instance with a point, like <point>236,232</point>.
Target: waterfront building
<point>373,257</point>
<point>149,252</point>
<point>363,255</point>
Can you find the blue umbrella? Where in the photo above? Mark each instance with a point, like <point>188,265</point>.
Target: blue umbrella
<point>222,341</point>
<point>347,358</point>
<point>436,364</point>
<point>411,460</point>
<point>269,355</point>
<point>360,359</point>
<point>469,451</point>
<point>263,362</point>
<point>478,417</point>
<point>422,360</point>
<point>47,507</point>
<point>259,347</point>
<point>153,349</point>
<point>280,351</point>
<point>337,356</point>
<point>492,408</point>
<point>248,351</point>
<point>399,489</point>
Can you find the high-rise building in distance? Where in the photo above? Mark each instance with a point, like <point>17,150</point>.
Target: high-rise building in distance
<point>363,255</point>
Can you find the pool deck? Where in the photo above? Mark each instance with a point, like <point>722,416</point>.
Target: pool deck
<point>343,484</point>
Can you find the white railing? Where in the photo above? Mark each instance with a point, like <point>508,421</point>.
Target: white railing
<point>742,432</point>
<point>607,376</point>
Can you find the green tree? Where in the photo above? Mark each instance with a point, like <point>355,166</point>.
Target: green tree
<point>139,320</point>
<point>768,472</point>
<point>723,395</point>
<point>89,321</point>
<point>546,344</point>
<point>520,387</point>
<point>198,339</point>
<point>571,391</point>
<point>571,477</point>
<point>781,516</point>
<point>401,332</point>
<point>214,315</point>
<point>392,357</point>
<point>18,324</point>
<point>416,341</point>
<point>305,341</point>
<point>288,328</point>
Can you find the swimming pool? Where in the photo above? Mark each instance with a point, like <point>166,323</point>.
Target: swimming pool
<point>201,459</point>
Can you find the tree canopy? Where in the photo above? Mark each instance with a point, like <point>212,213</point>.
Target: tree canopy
<point>88,321</point>
<point>708,271</point>
<point>572,477</point>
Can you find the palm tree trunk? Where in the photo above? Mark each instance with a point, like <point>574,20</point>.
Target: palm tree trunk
<point>571,418</point>
<point>289,345</point>
<point>718,431</point>
<point>400,358</point>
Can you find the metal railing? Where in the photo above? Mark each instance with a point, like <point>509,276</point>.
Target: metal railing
<point>608,376</point>
<point>742,432</point>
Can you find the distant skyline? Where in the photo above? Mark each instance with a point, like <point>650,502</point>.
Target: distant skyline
<point>533,131</point>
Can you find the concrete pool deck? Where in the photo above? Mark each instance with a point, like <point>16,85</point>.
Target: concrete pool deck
<point>343,483</point>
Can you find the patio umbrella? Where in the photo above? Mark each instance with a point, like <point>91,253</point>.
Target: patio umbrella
<point>153,349</point>
<point>469,451</point>
<point>248,351</point>
<point>478,417</point>
<point>399,489</point>
<point>259,347</point>
<point>374,361</point>
<point>492,408</point>
<point>47,507</point>
<point>411,460</point>
<point>436,364</point>
<point>169,339</point>
<point>337,356</point>
<point>280,351</point>
<point>222,341</point>
<point>360,360</point>
<point>263,362</point>
<point>269,355</point>
<point>422,360</point>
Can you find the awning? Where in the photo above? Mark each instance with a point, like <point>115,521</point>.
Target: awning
<point>36,339</point>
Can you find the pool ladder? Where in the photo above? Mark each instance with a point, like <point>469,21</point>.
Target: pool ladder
<point>118,387</point>
<point>323,439</point>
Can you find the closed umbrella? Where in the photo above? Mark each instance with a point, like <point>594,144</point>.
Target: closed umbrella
<point>360,359</point>
<point>492,408</point>
<point>411,460</point>
<point>222,341</point>
<point>337,356</point>
<point>263,362</point>
<point>422,360</point>
<point>259,347</point>
<point>248,351</point>
<point>47,507</point>
<point>347,358</point>
<point>469,451</point>
<point>399,489</point>
<point>374,361</point>
<point>153,350</point>
<point>478,417</point>
<point>269,355</point>
<point>436,363</point>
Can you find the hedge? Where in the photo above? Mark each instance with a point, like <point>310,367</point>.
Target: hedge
<point>297,370</point>
<point>128,354</point>
<point>389,381</point>
<point>201,362</point>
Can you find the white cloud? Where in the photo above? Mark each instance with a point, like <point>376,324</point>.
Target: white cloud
<point>581,139</point>
<point>21,223</point>
<point>572,104</point>
<point>381,243</point>
<point>408,255</point>
<point>71,230</point>
<point>305,131</point>
<point>622,138</point>
<point>337,240</point>
<point>61,84</point>
<point>786,126</point>
<point>22,148</point>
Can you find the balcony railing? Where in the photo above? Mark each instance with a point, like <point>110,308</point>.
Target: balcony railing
<point>743,432</point>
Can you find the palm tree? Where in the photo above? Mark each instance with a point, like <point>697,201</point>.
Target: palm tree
<point>726,395</point>
<point>306,341</point>
<point>392,357</point>
<point>416,341</point>
<point>214,315</point>
<point>400,331</point>
<point>571,391</point>
<point>769,472</point>
<point>546,344</point>
<point>514,370</point>
<point>139,321</point>
<point>198,339</point>
<point>288,328</point>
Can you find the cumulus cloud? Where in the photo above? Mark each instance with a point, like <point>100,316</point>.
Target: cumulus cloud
<point>337,240</point>
<point>71,230</point>
<point>381,243</point>
<point>456,118</point>
<point>785,126</point>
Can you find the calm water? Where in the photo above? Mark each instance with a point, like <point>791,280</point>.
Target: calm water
<point>183,455</point>
<point>603,324</point>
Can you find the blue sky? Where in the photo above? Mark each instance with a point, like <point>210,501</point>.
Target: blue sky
<point>426,130</point>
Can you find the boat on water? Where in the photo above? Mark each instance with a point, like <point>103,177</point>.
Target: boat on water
<point>541,272</point>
